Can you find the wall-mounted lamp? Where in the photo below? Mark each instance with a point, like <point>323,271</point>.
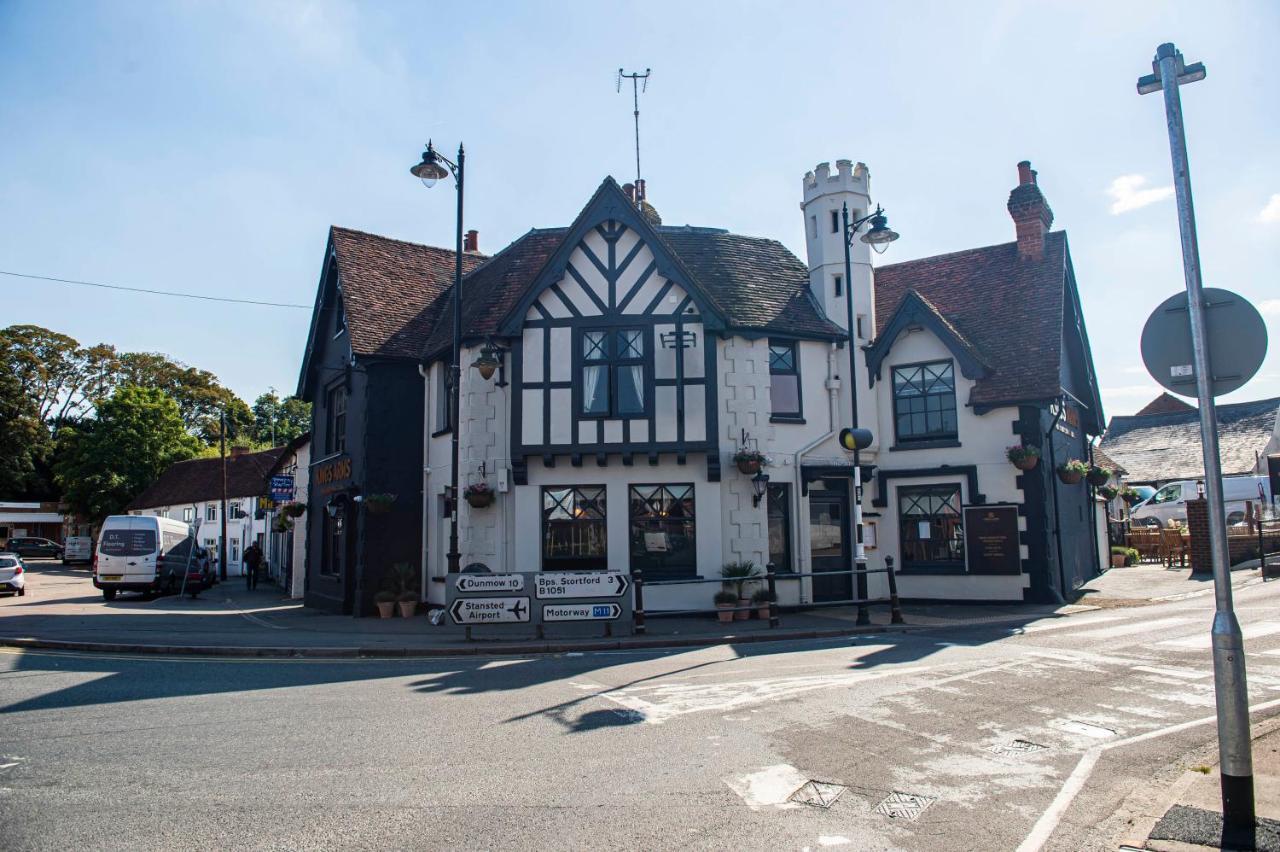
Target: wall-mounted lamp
<point>759,482</point>
<point>489,361</point>
<point>1200,488</point>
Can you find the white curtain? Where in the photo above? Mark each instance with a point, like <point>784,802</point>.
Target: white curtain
<point>590,385</point>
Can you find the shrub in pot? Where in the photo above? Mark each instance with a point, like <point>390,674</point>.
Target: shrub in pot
<point>750,461</point>
<point>1130,495</point>
<point>1072,471</point>
<point>1022,457</point>
<point>737,575</point>
<point>1108,492</point>
<point>1125,555</point>
<point>295,510</point>
<point>725,600</point>
<point>386,602</point>
<point>1098,476</point>
<point>760,600</point>
<point>408,604</point>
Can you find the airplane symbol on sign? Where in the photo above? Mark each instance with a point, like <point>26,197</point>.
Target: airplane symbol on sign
<point>517,608</point>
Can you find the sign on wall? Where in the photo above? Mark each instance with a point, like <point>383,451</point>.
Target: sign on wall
<point>991,540</point>
<point>282,488</point>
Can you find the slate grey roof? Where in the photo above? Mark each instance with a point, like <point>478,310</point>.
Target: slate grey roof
<point>1166,447</point>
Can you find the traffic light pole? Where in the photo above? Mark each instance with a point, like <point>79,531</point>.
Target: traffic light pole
<point>1230,686</point>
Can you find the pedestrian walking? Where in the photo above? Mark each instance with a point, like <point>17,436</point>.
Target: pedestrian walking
<point>252,559</point>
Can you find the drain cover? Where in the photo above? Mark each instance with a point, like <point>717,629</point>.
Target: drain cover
<point>906,806</point>
<point>1017,747</point>
<point>819,794</point>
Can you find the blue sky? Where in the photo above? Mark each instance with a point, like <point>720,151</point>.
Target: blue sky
<point>207,146</point>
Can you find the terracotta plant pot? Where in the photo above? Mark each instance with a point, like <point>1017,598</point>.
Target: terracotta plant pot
<point>725,613</point>
<point>1117,560</point>
<point>744,611</point>
<point>762,613</point>
<point>1027,463</point>
<point>408,609</point>
<point>1070,477</point>
<point>479,501</point>
<point>386,609</point>
<point>749,466</point>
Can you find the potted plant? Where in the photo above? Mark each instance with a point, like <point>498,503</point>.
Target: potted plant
<point>737,575</point>
<point>750,461</point>
<point>1098,476</point>
<point>1023,457</point>
<point>386,602</point>
<point>282,524</point>
<point>1109,492</point>
<point>760,599</point>
<point>379,504</point>
<point>408,604</point>
<point>295,510</point>
<point>478,494</point>
<point>1130,495</point>
<point>1072,471</point>
<point>1124,556</point>
<point>726,600</point>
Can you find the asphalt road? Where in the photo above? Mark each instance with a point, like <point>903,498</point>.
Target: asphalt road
<point>684,749</point>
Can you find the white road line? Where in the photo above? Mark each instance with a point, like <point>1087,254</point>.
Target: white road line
<point>1170,671</point>
<point>1059,623</point>
<point>1132,627</point>
<point>1048,822</point>
<point>1203,640</point>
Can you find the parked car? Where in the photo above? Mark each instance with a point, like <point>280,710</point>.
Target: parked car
<point>138,553</point>
<point>28,546</point>
<point>77,548</point>
<point>1170,502</point>
<point>13,575</point>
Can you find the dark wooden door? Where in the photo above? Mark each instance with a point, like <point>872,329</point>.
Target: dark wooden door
<point>829,546</point>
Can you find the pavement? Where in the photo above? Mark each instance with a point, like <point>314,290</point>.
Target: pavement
<point>1054,733</point>
<point>62,610</point>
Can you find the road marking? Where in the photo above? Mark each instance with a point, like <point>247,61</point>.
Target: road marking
<point>1048,822</point>
<point>1059,623</point>
<point>1126,629</point>
<point>1083,728</point>
<point>771,786</point>
<point>1170,671</point>
<point>1204,641</point>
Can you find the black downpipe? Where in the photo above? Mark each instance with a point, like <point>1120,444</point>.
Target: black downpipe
<point>1093,517</point>
<point>1061,591</point>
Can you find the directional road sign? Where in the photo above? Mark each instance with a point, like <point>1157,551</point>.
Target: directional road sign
<point>594,584</point>
<point>581,612</point>
<point>473,583</point>
<point>489,610</point>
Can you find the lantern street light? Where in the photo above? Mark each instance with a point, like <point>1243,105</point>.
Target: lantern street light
<point>431,169</point>
<point>760,483</point>
<point>878,237</point>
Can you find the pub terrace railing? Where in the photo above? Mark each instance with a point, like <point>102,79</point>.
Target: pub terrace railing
<point>771,578</point>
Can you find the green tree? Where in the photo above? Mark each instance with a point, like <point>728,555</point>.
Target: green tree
<point>61,378</point>
<point>200,397</point>
<point>290,417</point>
<point>102,464</point>
<point>24,443</point>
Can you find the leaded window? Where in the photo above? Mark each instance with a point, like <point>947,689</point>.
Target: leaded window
<point>784,378</point>
<point>573,528</point>
<point>924,402</point>
<point>663,531</point>
<point>613,364</point>
<point>336,419</point>
<point>931,524</point>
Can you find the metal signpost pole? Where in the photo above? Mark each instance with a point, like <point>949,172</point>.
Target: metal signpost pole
<point>1234,747</point>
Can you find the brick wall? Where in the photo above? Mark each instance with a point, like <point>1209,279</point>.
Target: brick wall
<point>1198,524</point>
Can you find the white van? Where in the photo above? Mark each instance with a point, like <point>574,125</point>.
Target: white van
<point>142,553</point>
<point>1170,502</point>
<point>77,548</point>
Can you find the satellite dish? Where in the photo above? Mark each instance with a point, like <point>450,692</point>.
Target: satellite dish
<point>1236,335</point>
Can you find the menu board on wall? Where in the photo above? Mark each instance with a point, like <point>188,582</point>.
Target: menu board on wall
<point>991,540</point>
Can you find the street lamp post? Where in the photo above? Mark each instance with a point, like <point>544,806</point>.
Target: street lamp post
<point>432,168</point>
<point>878,237</point>
<point>1234,747</point>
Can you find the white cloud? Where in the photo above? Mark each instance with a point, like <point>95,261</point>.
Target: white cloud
<point>1270,213</point>
<point>1269,307</point>
<point>1127,194</point>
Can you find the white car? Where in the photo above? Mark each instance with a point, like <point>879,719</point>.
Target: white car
<point>13,575</point>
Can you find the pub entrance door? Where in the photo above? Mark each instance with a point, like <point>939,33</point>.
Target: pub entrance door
<point>830,541</point>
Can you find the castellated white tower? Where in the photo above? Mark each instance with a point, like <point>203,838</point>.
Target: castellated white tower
<point>824,194</point>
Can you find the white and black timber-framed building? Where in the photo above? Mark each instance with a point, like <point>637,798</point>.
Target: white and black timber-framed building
<point>638,358</point>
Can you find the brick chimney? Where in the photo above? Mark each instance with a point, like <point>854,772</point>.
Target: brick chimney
<point>471,242</point>
<point>629,190</point>
<point>1031,214</point>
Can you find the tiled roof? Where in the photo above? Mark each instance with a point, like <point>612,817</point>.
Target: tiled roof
<point>1009,309</point>
<point>1165,403</point>
<point>388,288</point>
<point>757,283</point>
<point>1102,459</point>
<point>1165,447</point>
<point>200,480</point>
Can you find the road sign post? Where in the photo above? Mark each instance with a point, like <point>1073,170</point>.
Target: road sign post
<point>1234,747</point>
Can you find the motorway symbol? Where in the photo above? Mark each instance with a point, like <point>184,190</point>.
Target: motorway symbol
<point>593,584</point>
<point>489,610</point>
<point>490,583</point>
<point>581,612</point>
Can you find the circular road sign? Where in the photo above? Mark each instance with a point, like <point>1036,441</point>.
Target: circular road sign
<point>1236,334</point>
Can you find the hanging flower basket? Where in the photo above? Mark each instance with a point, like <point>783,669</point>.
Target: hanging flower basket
<point>1108,492</point>
<point>1023,458</point>
<point>478,495</point>
<point>295,510</point>
<point>1098,476</point>
<point>750,461</point>
<point>379,504</point>
<point>1130,496</point>
<point>1072,471</point>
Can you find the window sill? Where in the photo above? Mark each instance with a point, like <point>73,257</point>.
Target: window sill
<point>935,444</point>
<point>933,570</point>
<point>786,418</point>
<point>445,431</point>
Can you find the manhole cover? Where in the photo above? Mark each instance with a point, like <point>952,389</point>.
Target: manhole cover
<point>906,806</point>
<point>1017,747</point>
<point>819,794</point>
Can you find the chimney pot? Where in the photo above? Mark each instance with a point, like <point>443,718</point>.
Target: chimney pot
<point>1025,175</point>
<point>471,242</point>
<point>629,190</point>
